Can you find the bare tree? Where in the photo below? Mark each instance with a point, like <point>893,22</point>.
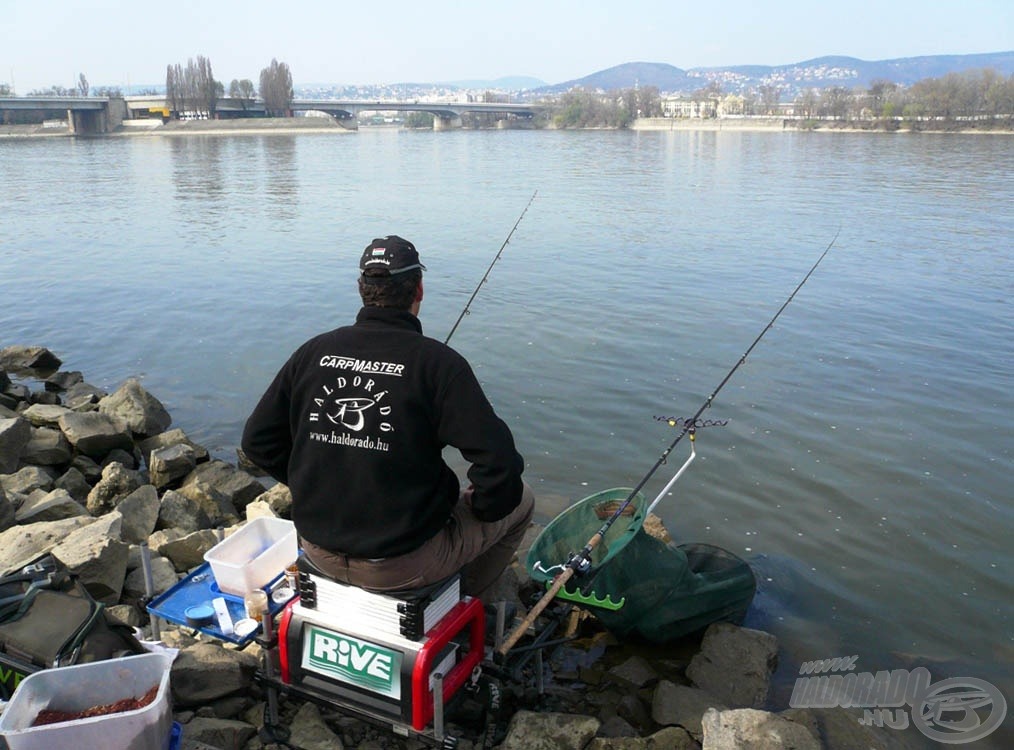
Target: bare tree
<point>242,90</point>
<point>835,102</point>
<point>172,89</point>
<point>194,88</point>
<point>806,103</point>
<point>276,88</point>
<point>880,91</point>
<point>770,96</point>
<point>82,85</point>
<point>207,88</point>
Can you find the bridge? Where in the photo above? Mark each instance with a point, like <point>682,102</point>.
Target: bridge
<point>96,115</point>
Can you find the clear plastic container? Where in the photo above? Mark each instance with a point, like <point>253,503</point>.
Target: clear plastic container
<point>253,556</point>
<point>84,686</point>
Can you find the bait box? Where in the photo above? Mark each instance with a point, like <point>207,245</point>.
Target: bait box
<point>84,686</point>
<point>254,556</point>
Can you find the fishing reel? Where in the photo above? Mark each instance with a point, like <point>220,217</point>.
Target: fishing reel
<point>580,562</point>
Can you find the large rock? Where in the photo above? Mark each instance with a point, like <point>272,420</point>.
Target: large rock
<point>529,730</point>
<point>97,556</point>
<point>178,511</point>
<point>635,671</point>
<point>142,412</point>
<point>735,664</point>
<point>28,358</point>
<point>83,397</point>
<point>27,480</point>
<point>279,497</point>
<point>667,738</point>
<point>53,506</point>
<point>205,672</point>
<point>749,729</point>
<point>188,551</point>
<point>44,415</point>
<point>309,731</point>
<point>220,482</point>
<point>75,483</point>
<point>14,436</point>
<point>259,509</point>
<point>167,465</point>
<point>13,396</point>
<point>169,438</point>
<point>163,578</point>
<point>20,545</point>
<point>89,469</point>
<point>139,510</point>
<point>7,511</point>
<point>836,727</point>
<point>61,381</point>
<point>117,482</point>
<point>212,732</point>
<point>682,705</point>
<point>95,434</point>
<point>47,447</point>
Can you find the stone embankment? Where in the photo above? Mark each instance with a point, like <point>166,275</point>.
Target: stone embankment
<point>87,476</point>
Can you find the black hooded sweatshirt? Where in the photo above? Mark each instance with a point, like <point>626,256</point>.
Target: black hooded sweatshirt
<point>355,423</point>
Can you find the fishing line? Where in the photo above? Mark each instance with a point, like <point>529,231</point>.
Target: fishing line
<point>580,562</point>
<point>482,281</point>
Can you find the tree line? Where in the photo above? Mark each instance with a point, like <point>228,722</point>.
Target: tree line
<point>193,91</point>
<point>983,95</point>
<point>977,95</point>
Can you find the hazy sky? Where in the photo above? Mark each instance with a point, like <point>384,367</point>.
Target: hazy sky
<point>116,43</point>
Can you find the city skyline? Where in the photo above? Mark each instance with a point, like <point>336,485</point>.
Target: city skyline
<point>115,43</point>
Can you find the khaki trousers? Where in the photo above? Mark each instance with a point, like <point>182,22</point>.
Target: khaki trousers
<point>479,549</point>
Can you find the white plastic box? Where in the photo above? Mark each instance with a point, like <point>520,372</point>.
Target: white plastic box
<point>84,686</point>
<point>253,556</point>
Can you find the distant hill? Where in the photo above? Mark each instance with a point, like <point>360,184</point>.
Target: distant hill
<point>817,73</point>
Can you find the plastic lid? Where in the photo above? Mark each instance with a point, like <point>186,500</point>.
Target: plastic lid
<point>282,594</point>
<point>245,626</point>
<point>199,613</point>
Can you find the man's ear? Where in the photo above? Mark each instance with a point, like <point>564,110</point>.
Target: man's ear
<point>419,292</point>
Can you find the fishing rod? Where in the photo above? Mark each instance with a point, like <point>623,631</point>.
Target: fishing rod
<point>482,281</point>
<point>580,562</point>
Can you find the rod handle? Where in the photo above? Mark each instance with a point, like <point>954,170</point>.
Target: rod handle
<point>540,605</point>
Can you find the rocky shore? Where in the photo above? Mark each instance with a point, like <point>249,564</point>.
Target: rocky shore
<point>89,476</point>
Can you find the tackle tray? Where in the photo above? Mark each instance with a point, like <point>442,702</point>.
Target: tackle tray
<point>198,588</point>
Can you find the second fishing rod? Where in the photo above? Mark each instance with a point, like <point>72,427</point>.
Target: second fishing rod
<point>485,276</point>
<point>580,561</point>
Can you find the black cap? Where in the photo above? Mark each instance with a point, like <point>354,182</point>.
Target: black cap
<point>392,253</point>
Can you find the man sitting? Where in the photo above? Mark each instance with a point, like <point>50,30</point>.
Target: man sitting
<point>355,423</point>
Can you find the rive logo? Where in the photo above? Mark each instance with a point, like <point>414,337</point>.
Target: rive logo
<point>361,663</point>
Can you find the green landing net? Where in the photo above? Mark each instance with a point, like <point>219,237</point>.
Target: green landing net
<point>640,586</point>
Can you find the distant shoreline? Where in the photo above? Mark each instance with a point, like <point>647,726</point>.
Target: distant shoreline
<point>779,124</point>
<point>290,125</point>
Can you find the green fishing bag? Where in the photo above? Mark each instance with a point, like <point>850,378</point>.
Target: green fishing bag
<point>640,586</point>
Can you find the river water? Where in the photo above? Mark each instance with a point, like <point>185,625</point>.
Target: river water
<point>865,471</point>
